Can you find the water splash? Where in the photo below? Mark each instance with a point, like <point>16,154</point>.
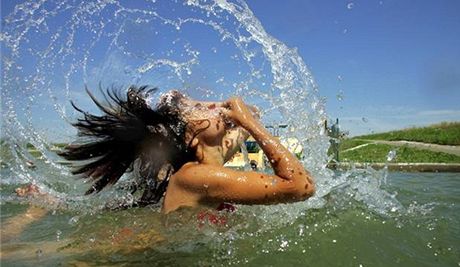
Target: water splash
<point>53,49</point>
<point>391,155</point>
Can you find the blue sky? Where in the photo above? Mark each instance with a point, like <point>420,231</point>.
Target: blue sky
<point>393,63</point>
<point>381,65</point>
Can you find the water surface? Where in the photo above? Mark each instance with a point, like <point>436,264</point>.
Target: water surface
<point>344,232</point>
<point>51,50</point>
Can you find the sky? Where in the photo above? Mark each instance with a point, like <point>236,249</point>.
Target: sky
<point>380,65</point>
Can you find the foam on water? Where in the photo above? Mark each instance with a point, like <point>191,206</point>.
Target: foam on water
<point>53,49</point>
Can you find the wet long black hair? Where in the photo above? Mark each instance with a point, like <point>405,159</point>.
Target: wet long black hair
<point>130,135</point>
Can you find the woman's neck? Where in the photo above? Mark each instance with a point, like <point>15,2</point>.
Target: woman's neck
<point>211,155</point>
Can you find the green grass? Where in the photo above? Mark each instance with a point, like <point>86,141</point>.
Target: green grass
<point>377,153</point>
<point>446,133</point>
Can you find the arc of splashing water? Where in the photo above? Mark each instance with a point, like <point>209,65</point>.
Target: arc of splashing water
<point>282,61</point>
<point>291,77</point>
<point>281,57</point>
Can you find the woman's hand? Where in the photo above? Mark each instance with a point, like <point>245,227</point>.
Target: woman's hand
<point>240,113</point>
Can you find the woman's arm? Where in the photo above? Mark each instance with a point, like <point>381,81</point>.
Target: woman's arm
<point>283,162</point>
<point>291,181</point>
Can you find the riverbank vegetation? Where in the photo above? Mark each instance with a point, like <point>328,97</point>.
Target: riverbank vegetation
<point>445,133</point>
<point>378,153</point>
<point>363,149</point>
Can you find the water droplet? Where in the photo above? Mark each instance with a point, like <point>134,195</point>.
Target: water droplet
<point>364,119</point>
<point>340,95</point>
<point>39,253</point>
<point>58,235</point>
<point>301,230</point>
<point>284,244</point>
<point>391,155</point>
<point>350,5</point>
<point>73,220</point>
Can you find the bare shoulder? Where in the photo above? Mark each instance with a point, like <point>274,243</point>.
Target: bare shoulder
<point>218,183</point>
<point>214,175</point>
<point>198,175</point>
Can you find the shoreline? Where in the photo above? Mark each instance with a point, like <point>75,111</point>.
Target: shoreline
<point>407,167</point>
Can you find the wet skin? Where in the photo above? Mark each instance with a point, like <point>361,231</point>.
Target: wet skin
<point>223,127</point>
<point>206,181</point>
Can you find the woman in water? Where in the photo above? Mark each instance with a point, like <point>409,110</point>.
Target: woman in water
<point>179,148</point>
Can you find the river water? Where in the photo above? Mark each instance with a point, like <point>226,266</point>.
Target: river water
<point>341,233</point>
<point>52,50</point>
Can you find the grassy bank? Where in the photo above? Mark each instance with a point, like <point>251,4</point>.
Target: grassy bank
<point>376,153</point>
<point>446,133</point>
<point>362,148</point>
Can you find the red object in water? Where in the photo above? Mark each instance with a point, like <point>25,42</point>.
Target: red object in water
<point>215,218</point>
<point>226,206</point>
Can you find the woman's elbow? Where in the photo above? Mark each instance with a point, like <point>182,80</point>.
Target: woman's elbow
<point>311,190</point>
<point>301,190</point>
<point>306,190</point>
